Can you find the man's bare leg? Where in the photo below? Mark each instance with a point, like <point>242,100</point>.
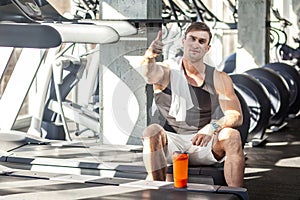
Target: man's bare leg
<point>154,152</point>
<point>229,144</point>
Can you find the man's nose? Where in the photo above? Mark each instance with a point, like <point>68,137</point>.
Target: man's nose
<point>196,44</point>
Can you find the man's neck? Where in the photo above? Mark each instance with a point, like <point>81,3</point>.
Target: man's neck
<point>194,72</point>
<point>193,68</point>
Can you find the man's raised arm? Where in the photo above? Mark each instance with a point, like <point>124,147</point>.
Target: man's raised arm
<point>153,71</point>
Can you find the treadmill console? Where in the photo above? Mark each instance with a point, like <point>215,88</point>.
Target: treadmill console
<point>29,8</point>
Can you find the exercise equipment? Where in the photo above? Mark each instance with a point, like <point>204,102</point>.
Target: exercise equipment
<point>283,51</point>
<point>45,36</point>
<point>244,128</point>
<point>288,53</point>
<point>20,35</point>
<point>278,94</point>
<point>230,64</point>
<point>61,86</point>
<point>258,103</point>
<point>9,13</point>
<point>59,89</point>
<point>292,78</point>
<point>100,32</point>
<point>29,8</point>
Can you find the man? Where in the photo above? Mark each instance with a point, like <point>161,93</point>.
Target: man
<point>199,106</point>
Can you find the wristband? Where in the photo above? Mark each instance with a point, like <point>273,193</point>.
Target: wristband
<point>215,127</point>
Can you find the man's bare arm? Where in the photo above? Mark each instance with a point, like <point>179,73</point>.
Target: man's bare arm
<point>154,71</point>
<point>230,106</point>
<point>229,102</point>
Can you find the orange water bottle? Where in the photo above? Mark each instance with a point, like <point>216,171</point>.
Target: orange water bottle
<point>180,169</point>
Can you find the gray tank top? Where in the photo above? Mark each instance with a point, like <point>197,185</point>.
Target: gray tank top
<point>206,107</point>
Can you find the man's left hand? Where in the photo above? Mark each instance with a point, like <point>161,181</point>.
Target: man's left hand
<point>201,139</point>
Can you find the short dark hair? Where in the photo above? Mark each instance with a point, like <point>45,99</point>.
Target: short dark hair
<point>199,26</point>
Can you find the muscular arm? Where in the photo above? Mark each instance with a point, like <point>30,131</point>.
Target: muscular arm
<point>156,73</point>
<point>230,106</point>
<point>228,100</point>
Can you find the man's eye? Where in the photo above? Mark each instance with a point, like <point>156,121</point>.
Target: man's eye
<point>202,41</point>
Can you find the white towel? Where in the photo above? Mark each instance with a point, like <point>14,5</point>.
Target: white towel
<point>181,97</point>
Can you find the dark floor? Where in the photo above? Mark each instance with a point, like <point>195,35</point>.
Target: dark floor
<point>273,169</point>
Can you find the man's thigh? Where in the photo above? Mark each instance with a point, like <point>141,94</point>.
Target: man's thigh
<point>197,155</point>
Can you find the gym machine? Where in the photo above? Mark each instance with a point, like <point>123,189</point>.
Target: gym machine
<point>292,78</point>
<point>97,34</point>
<point>278,93</point>
<point>259,106</point>
<point>18,86</point>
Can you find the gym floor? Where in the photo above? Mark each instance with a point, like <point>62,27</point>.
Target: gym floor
<point>272,169</point>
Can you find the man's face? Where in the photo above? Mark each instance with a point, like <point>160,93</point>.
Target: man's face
<point>196,45</point>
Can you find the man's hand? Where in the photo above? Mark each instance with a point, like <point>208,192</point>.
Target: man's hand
<point>156,47</point>
<point>201,139</point>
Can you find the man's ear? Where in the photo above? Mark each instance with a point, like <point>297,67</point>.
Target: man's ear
<point>182,41</point>
<point>208,47</point>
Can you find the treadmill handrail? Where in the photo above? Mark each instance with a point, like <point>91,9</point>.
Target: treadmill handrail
<point>86,33</point>
<point>23,35</point>
<point>124,28</point>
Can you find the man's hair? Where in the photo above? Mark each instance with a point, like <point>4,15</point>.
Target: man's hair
<point>199,26</point>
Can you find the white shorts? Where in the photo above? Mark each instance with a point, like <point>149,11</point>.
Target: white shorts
<point>197,155</point>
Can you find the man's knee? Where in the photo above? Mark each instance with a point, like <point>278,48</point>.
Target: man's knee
<point>153,130</point>
<point>230,137</point>
<point>154,137</point>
